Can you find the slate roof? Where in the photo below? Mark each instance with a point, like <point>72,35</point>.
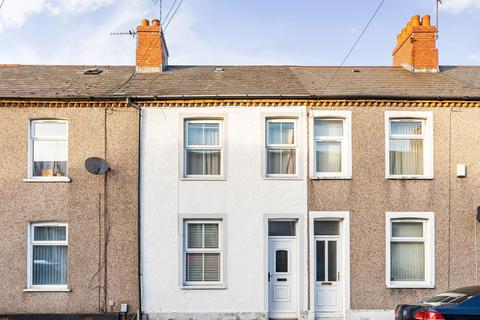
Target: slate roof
<point>68,82</point>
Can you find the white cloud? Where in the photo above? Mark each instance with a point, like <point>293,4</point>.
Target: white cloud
<point>14,13</point>
<point>93,44</point>
<point>457,6</point>
<point>474,57</point>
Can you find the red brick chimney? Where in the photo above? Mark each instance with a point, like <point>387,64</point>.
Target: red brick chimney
<point>152,52</point>
<point>416,46</point>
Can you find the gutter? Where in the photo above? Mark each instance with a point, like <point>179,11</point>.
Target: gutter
<point>243,96</point>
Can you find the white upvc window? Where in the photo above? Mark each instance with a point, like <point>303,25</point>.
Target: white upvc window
<point>332,149</point>
<point>48,149</point>
<point>409,145</point>
<point>203,253</point>
<point>47,256</point>
<point>203,154</point>
<point>281,147</point>
<point>410,250</point>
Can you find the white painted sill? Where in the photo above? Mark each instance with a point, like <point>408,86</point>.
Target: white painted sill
<point>47,290</point>
<point>339,177</point>
<point>204,178</point>
<point>281,177</point>
<point>410,286</point>
<point>389,177</point>
<point>220,287</point>
<point>48,180</point>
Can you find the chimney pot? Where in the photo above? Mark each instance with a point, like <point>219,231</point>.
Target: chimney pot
<point>416,46</point>
<point>426,21</point>
<point>155,22</point>
<point>416,21</point>
<point>145,22</point>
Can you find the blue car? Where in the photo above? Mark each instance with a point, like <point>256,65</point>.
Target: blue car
<point>458,304</point>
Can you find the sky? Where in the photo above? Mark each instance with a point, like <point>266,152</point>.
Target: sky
<point>231,32</point>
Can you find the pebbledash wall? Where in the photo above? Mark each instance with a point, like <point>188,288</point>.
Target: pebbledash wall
<point>369,195</point>
<point>243,199</point>
<point>109,132</point>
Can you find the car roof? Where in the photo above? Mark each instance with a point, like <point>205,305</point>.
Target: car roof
<point>471,290</point>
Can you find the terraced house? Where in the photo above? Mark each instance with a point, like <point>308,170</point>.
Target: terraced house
<point>284,192</point>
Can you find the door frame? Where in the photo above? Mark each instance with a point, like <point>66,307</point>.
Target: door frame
<point>344,218</point>
<point>301,230</point>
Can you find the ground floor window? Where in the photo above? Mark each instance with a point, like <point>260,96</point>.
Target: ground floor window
<point>202,252</point>
<point>48,246</point>
<point>410,249</point>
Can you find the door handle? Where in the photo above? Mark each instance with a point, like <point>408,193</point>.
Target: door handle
<point>338,276</point>
<point>269,276</point>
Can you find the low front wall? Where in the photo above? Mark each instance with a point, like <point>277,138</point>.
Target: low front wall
<point>111,316</point>
<point>209,315</point>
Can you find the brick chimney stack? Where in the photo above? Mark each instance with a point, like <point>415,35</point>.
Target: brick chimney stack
<point>152,52</point>
<point>416,48</point>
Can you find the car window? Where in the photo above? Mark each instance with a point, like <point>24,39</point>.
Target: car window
<point>449,297</point>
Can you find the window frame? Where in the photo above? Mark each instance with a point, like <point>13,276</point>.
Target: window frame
<point>220,147</point>
<point>32,138</point>
<point>186,250</point>
<point>294,146</point>
<point>427,136</point>
<point>346,144</point>
<point>32,243</point>
<point>428,220</point>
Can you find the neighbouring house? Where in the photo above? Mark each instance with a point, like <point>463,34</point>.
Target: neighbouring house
<point>284,192</point>
<point>69,246</point>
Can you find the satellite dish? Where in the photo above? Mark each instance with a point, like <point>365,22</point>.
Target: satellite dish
<point>96,165</point>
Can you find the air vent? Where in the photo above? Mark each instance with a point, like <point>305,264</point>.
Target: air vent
<point>93,71</point>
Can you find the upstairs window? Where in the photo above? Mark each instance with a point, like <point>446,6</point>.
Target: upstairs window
<point>281,147</point>
<point>48,149</point>
<point>203,148</point>
<point>409,146</point>
<point>331,145</point>
<point>48,256</point>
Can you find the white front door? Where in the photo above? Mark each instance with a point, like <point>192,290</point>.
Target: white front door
<point>328,273</point>
<point>282,275</point>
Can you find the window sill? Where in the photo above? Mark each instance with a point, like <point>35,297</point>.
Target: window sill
<point>331,177</point>
<point>410,286</point>
<point>219,287</point>
<point>48,180</point>
<point>47,290</point>
<point>280,177</point>
<point>204,178</point>
<point>409,177</point>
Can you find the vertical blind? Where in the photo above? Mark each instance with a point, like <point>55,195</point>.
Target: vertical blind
<point>407,252</point>
<point>406,148</point>
<point>281,152</point>
<point>203,154</point>
<point>202,252</point>
<point>49,260</point>
<point>328,145</point>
